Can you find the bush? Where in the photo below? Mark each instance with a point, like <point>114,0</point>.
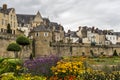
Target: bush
<point>100,75</point>
<point>10,65</point>
<point>41,66</point>
<point>92,53</point>
<point>31,77</point>
<point>70,68</point>
<point>115,53</point>
<point>10,76</point>
<point>93,43</point>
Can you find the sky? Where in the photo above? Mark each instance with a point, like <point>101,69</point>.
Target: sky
<point>102,14</point>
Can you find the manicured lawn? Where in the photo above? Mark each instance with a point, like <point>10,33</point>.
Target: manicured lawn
<point>107,61</point>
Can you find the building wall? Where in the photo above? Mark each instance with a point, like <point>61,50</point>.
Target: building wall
<point>94,37</point>
<point>118,39</point>
<point>6,19</point>
<point>86,40</point>
<point>37,20</point>
<point>77,51</point>
<point>42,43</point>
<point>112,38</point>
<point>13,21</point>
<point>82,32</point>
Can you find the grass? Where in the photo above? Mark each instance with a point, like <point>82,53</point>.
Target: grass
<point>96,61</point>
<point>108,61</point>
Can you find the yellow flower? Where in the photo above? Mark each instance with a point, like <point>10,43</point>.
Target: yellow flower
<point>63,71</point>
<point>18,67</point>
<point>56,73</point>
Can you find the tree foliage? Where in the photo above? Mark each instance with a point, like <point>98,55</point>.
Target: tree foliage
<point>92,53</point>
<point>115,53</point>
<point>9,29</point>
<point>93,43</point>
<point>22,40</point>
<point>13,47</point>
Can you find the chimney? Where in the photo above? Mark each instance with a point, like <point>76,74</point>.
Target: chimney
<point>79,27</point>
<point>4,6</point>
<point>60,27</point>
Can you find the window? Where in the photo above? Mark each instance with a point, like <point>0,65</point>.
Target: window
<point>11,23</point>
<point>2,21</point>
<point>11,17</point>
<point>5,22</point>
<point>1,29</point>
<point>14,32</point>
<point>37,34</point>
<point>14,24</point>
<point>46,34</point>
<point>14,18</point>
<point>110,37</point>
<point>5,30</point>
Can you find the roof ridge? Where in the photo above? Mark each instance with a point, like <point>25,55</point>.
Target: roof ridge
<point>26,14</point>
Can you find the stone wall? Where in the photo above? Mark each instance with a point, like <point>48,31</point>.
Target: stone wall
<point>79,49</point>
<point>5,40</point>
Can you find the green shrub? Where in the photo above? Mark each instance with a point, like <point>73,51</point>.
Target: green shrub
<point>115,53</point>
<point>8,76</point>
<point>9,65</point>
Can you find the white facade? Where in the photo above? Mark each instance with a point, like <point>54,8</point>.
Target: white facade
<point>91,36</point>
<point>74,39</point>
<point>86,40</point>
<point>26,30</point>
<point>111,38</point>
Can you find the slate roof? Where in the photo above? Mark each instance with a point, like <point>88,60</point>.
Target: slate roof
<point>23,18</point>
<point>71,33</point>
<point>40,28</point>
<point>6,11</point>
<point>117,33</point>
<point>56,25</point>
<point>46,19</point>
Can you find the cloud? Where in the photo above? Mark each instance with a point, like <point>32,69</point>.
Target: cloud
<point>103,14</point>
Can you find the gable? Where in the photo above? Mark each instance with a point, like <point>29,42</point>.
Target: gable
<point>38,18</point>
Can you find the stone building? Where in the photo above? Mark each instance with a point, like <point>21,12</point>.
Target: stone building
<point>71,37</point>
<point>8,16</point>
<point>82,32</point>
<point>26,22</point>
<point>41,30</point>
<point>42,37</point>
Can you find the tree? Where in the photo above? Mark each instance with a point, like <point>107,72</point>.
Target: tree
<point>93,43</point>
<point>14,47</point>
<point>23,41</point>
<point>92,53</point>
<point>115,53</point>
<point>9,29</point>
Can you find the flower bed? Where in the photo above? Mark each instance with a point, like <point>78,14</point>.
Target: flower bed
<point>41,66</point>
